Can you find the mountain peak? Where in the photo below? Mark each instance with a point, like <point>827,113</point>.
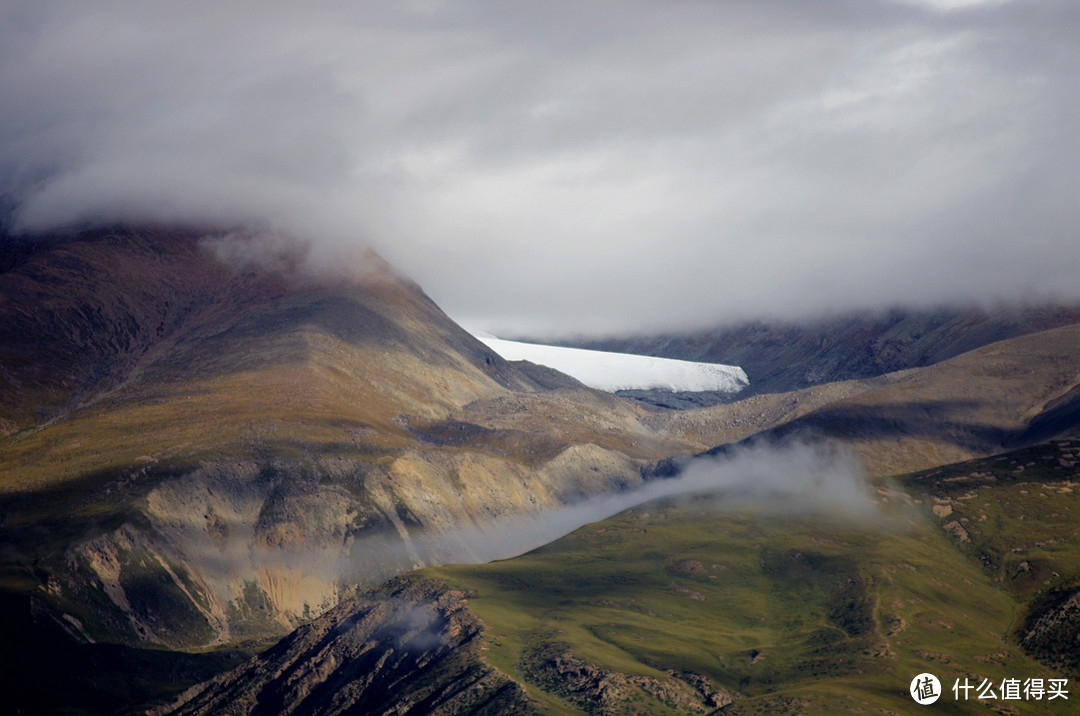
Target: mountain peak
<point>114,321</point>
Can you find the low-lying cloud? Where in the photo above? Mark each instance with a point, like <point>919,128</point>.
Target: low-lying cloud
<point>657,163</point>
<point>797,477</point>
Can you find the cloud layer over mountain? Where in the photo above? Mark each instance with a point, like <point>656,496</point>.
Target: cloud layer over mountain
<point>576,165</point>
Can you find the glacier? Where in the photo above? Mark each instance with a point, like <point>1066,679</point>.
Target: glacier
<point>612,372</point>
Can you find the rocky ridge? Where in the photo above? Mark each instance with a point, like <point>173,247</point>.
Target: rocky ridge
<point>413,648</point>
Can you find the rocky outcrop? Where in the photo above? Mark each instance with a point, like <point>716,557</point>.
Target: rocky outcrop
<point>1051,632</point>
<point>595,690</point>
<point>411,648</point>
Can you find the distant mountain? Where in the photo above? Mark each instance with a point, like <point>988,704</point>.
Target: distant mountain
<point>1002,396</point>
<point>782,356</point>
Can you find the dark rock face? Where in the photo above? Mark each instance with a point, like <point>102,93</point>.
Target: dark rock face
<point>1051,632</point>
<point>413,648</point>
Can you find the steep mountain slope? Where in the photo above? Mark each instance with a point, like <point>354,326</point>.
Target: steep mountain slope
<point>203,451</point>
<point>785,356</point>
<point>148,319</point>
<point>77,313</point>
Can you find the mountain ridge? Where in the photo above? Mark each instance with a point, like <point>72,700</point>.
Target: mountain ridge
<point>781,356</point>
<point>1000,396</point>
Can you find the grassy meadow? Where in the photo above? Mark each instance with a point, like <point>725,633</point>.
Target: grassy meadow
<point>787,612</point>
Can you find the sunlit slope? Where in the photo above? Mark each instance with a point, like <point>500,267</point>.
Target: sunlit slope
<point>140,346</point>
<point>675,609</point>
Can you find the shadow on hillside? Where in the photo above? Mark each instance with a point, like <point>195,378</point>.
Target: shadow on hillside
<point>926,419</point>
<point>46,671</point>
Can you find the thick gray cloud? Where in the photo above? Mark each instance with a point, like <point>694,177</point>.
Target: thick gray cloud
<point>576,165</point>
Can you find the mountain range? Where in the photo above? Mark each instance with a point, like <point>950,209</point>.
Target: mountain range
<point>216,451</point>
<point>781,356</point>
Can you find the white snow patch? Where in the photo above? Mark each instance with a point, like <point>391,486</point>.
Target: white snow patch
<point>622,371</point>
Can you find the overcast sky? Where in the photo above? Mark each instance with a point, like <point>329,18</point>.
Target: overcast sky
<point>596,166</point>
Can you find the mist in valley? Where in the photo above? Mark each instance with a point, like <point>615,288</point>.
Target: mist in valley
<point>799,477</point>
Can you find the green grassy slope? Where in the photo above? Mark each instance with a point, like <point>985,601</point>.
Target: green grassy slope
<point>799,614</point>
<point>1018,516</point>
